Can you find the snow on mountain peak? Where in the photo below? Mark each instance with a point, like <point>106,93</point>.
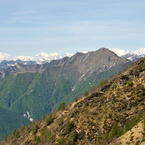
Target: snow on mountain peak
<point>68,54</point>
<point>131,55</point>
<point>140,51</point>
<point>121,52</point>
<point>44,57</point>
<point>39,58</point>
<point>42,54</point>
<point>4,56</point>
<point>23,58</point>
<point>85,52</point>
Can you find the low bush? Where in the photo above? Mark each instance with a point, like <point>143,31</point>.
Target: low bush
<point>35,129</point>
<point>69,125</point>
<point>50,119</point>
<point>129,83</point>
<point>62,106</point>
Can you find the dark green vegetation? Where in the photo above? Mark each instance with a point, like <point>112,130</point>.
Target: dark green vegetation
<point>10,121</point>
<point>37,90</point>
<point>34,92</point>
<point>98,118</point>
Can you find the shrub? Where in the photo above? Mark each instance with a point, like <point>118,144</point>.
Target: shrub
<point>43,132</point>
<point>101,139</point>
<point>62,106</point>
<point>37,139</point>
<point>35,129</point>
<point>61,142</point>
<point>103,83</point>
<point>16,133</point>
<point>73,137</point>
<point>69,125</point>
<point>50,119</point>
<point>129,83</point>
<point>116,131</point>
<point>133,121</point>
<point>46,136</point>
<point>86,93</point>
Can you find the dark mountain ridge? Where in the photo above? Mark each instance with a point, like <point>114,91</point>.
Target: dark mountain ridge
<point>83,62</point>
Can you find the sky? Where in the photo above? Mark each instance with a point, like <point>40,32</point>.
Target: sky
<point>68,26</point>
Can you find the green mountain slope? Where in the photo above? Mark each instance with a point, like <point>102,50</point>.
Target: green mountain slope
<point>99,118</point>
<point>35,93</point>
<point>39,93</point>
<point>10,121</point>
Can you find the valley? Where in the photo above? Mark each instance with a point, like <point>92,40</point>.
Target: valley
<point>105,115</point>
<point>41,88</point>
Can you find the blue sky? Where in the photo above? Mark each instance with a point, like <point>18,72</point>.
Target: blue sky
<point>30,27</point>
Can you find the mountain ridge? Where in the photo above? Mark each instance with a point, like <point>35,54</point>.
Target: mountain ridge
<point>39,89</point>
<point>44,57</point>
<point>100,117</point>
<point>38,58</point>
<point>131,55</point>
<point>7,60</point>
<point>73,60</point>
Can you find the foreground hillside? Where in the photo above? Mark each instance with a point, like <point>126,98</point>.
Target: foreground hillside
<point>99,118</point>
<point>134,136</point>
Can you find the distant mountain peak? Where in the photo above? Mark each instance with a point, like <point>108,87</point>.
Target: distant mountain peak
<point>4,56</point>
<point>120,52</point>
<point>43,57</point>
<point>38,58</point>
<point>131,55</point>
<point>140,51</point>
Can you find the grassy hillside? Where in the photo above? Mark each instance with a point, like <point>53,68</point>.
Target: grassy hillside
<point>99,118</point>
<point>135,135</point>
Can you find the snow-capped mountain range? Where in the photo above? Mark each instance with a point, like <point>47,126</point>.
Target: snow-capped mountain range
<point>39,58</point>
<point>44,57</point>
<point>131,55</point>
